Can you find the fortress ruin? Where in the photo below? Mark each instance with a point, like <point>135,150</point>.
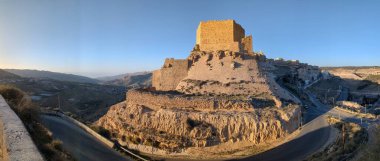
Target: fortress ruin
<point>222,35</point>
<point>222,94</point>
<point>212,36</point>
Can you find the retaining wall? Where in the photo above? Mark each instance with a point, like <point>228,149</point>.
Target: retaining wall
<point>15,142</point>
<point>158,101</point>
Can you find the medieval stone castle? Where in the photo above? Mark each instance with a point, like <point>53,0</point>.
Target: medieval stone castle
<point>212,36</point>
<point>224,94</point>
<point>222,35</point>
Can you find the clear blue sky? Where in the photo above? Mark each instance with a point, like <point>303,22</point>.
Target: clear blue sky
<point>106,37</point>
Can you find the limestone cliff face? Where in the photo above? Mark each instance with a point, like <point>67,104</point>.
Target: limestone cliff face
<point>173,129</point>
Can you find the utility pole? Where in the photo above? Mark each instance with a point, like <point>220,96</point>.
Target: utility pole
<point>59,103</point>
<point>343,136</point>
<point>338,113</point>
<point>326,95</point>
<point>333,99</point>
<point>300,118</point>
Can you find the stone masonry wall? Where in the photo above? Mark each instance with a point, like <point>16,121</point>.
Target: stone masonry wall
<point>159,101</point>
<point>246,43</point>
<point>219,35</point>
<point>170,74</point>
<point>17,145</point>
<point>223,72</point>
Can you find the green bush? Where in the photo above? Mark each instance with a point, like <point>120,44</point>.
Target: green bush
<point>372,151</point>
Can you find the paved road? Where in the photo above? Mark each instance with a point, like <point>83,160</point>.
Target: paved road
<point>313,136</point>
<point>81,145</point>
<point>322,108</point>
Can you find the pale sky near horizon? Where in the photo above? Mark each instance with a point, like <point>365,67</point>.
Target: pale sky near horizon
<point>98,38</point>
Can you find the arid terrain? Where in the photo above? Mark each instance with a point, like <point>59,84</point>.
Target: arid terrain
<point>86,101</point>
<point>219,96</point>
<point>223,101</point>
<point>371,73</point>
<point>169,80</point>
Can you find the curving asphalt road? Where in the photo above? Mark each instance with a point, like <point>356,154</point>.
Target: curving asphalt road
<point>340,114</point>
<point>313,136</point>
<point>81,145</point>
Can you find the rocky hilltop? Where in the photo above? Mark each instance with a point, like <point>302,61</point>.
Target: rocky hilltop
<point>222,94</point>
<point>371,73</point>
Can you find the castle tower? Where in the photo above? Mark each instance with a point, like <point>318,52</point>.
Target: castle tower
<point>222,35</point>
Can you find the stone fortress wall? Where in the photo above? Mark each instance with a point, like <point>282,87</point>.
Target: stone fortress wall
<point>222,35</point>
<point>212,36</point>
<point>247,44</point>
<point>305,72</point>
<point>156,101</point>
<point>223,72</point>
<point>173,71</point>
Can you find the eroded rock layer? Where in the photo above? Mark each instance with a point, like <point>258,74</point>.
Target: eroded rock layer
<point>173,129</point>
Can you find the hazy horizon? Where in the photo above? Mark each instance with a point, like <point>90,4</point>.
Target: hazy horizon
<point>80,74</point>
<point>95,38</point>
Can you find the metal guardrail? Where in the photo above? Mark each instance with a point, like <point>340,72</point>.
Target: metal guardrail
<point>126,150</point>
<point>99,137</point>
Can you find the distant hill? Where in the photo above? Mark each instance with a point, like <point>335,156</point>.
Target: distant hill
<point>371,73</point>
<point>7,75</point>
<point>120,76</point>
<point>51,75</point>
<point>140,79</point>
<point>351,67</point>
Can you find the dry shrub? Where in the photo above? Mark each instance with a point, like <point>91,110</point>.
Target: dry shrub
<point>346,146</point>
<point>21,103</point>
<point>372,151</point>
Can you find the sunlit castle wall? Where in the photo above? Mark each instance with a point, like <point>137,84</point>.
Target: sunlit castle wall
<point>221,35</point>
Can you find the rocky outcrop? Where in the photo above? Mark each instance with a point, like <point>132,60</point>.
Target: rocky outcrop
<point>223,72</point>
<point>173,129</point>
